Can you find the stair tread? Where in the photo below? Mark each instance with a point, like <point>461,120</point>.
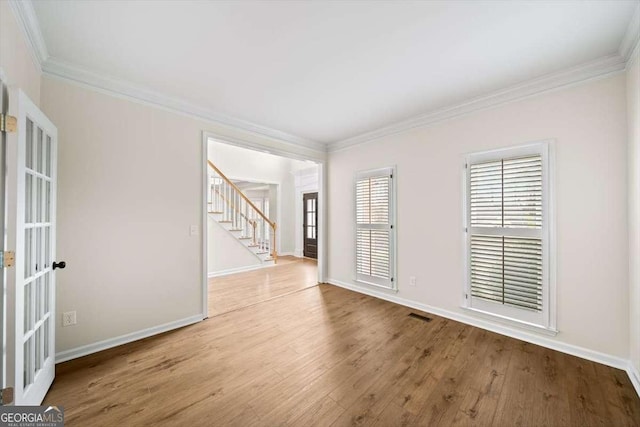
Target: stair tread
<point>235,229</point>
<point>244,238</point>
<point>216,212</point>
<point>226,222</point>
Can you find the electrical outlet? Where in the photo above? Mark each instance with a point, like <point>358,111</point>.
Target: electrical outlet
<point>412,280</point>
<point>193,230</point>
<point>69,318</point>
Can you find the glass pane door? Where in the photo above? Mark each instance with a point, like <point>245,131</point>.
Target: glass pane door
<point>37,322</point>
<point>31,206</point>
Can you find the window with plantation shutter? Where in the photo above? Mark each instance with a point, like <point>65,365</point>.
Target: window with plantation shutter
<point>374,228</point>
<point>507,233</point>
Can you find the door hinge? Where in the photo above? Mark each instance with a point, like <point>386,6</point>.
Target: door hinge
<point>6,396</point>
<point>7,259</point>
<point>8,123</point>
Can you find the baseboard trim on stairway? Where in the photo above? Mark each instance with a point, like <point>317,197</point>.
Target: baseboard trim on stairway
<point>238,270</point>
<point>235,238</point>
<point>88,349</point>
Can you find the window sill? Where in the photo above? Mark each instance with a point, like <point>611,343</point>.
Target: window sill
<point>377,286</point>
<point>508,321</point>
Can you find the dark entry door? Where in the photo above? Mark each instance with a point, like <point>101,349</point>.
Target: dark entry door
<point>310,224</point>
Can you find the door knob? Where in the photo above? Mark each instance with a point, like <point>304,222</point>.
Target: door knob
<point>60,264</point>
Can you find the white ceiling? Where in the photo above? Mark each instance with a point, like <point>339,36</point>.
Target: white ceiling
<point>327,71</point>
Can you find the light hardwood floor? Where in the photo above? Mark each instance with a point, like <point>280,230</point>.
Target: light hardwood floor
<point>290,274</point>
<point>327,356</point>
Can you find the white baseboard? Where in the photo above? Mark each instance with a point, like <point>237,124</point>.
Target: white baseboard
<point>286,254</point>
<point>237,270</point>
<point>584,353</point>
<point>634,376</point>
<point>85,350</point>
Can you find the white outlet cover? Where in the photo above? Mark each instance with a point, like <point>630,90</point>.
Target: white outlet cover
<point>69,318</point>
<point>412,280</point>
<point>193,230</point>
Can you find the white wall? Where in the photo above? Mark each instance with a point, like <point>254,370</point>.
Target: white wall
<point>251,165</point>
<point>588,123</point>
<point>633,124</point>
<point>130,185</point>
<point>15,57</point>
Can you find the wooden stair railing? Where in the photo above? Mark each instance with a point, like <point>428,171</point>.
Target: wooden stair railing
<point>227,199</point>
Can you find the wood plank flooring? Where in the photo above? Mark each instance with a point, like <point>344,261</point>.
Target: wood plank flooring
<point>325,356</point>
<point>290,274</point>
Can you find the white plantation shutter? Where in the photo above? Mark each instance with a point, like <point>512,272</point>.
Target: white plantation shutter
<point>508,233</point>
<point>507,270</point>
<point>522,192</point>
<point>374,228</point>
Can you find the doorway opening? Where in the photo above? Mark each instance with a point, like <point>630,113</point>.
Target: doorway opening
<point>256,241</point>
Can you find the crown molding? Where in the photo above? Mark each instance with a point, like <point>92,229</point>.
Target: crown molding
<point>631,37</point>
<point>57,68</point>
<point>28,22</point>
<point>570,76</point>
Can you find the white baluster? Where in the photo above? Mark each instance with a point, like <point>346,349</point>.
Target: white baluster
<point>245,229</point>
<point>218,204</point>
<point>212,193</point>
<point>228,206</point>
<point>234,219</point>
<point>216,187</point>
<point>224,205</point>
<point>211,202</point>
<point>237,211</point>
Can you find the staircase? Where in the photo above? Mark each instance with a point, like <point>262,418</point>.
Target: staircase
<point>233,210</point>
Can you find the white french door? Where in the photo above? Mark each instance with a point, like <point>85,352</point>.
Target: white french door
<point>30,231</point>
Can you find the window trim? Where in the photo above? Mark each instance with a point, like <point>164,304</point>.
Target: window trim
<point>544,321</point>
<point>391,170</point>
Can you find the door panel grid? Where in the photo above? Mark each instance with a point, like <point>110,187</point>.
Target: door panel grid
<point>37,250</point>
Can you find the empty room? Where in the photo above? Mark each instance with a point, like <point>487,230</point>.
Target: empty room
<point>320,213</point>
